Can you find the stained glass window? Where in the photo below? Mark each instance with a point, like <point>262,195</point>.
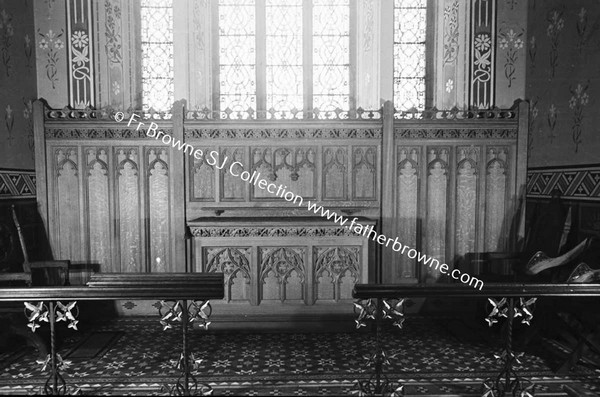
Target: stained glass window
<point>284,61</point>
<point>157,54</point>
<point>282,68</point>
<point>410,26</point>
<point>331,54</point>
<point>237,55</point>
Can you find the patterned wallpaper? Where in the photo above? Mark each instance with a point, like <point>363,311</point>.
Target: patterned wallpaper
<point>65,53</point>
<point>563,82</point>
<point>17,79</point>
<point>511,39</point>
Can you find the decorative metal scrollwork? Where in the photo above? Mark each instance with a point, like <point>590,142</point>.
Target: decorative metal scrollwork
<point>508,381</point>
<point>367,309</point>
<point>36,314</point>
<point>197,311</point>
<point>172,312</point>
<point>52,313</point>
<point>392,310</point>
<point>378,310</point>
<point>500,309</point>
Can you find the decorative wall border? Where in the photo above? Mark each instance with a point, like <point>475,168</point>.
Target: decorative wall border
<point>483,59</point>
<point>80,54</point>
<point>17,184</point>
<point>575,183</point>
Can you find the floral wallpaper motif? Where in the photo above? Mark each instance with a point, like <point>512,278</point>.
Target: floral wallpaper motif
<point>556,23</point>
<point>579,99</point>
<point>510,42</point>
<point>113,32</point>
<point>532,50</point>
<point>28,117</point>
<point>51,44</point>
<point>551,118</point>
<point>28,47</point>
<point>533,115</point>
<point>511,52</point>
<point>563,82</point>
<point>17,82</point>
<point>9,122</point>
<point>451,32</point>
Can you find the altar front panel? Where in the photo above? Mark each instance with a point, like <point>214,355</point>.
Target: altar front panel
<point>282,262</point>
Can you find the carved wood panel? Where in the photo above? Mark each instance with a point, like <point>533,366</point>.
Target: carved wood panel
<point>346,174</point>
<point>234,262</point>
<point>97,201</point>
<point>275,263</point>
<point>158,206</point>
<point>111,205</point>
<point>128,209</point>
<point>335,159</point>
<point>364,172</point>
<point>336,270</point>
<point>233,188</point>
<point>282,273</point>
<point>291,167</point>
<point>67,227</point>
<point>455,192</point>
<point>496,226</point>
<point>407,215</point>
<point>203,178</point>
<point>437,199</point>
<point>467,164</point>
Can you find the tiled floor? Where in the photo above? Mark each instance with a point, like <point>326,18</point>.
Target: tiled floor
<point>141,358</point>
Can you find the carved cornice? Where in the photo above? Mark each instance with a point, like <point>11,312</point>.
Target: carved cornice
<point>272,231</point>
<point>457,114</point>
<point>455,133</point>
<point>99,133</point>
<point>107,114</point>
<point>289,133</point>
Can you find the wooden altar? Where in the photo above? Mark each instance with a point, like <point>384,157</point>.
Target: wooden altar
<point>446,183</point>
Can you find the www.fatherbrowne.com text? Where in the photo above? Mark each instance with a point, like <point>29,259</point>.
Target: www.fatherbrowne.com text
<point>236,168</point>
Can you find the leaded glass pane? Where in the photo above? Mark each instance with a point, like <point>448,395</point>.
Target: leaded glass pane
<point>157,54</point>
<point>284,56</point>
<point>237,55</point>
<point>331,54</point>
<point>410,27</point>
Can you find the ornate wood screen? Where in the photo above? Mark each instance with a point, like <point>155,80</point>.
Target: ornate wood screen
<point>446,183</point>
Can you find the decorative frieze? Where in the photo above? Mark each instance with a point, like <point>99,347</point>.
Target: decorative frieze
<point>275,231</point>
<point>455,133</point>
<point>283,133</point>
<point>99,133</point>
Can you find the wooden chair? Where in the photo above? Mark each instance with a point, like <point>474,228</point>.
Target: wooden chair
<point>40,273</point>
<point>35,273</point>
